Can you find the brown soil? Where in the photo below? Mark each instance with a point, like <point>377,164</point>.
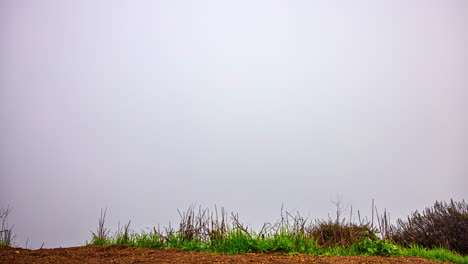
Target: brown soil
<point>124,254</point>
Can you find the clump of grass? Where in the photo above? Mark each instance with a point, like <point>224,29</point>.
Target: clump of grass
<point>124,235</point>
<point>101,237</point>
<point>444,225</point>
<point>6,237</point>
<point>204,225</point>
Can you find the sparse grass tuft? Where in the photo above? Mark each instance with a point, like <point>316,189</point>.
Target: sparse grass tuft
<point>6,237</point>
<point>101,237</point>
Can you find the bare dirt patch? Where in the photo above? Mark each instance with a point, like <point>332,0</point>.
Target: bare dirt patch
<point>124,254</point>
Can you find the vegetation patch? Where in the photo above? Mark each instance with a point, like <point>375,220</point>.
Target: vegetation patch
<point>219,232</point>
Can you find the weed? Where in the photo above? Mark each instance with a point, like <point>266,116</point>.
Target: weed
<point>101,237</point>
<point>6,237</point>
<point>370,247</point>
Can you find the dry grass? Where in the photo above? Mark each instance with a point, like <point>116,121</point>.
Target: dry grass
<point>6,230</point>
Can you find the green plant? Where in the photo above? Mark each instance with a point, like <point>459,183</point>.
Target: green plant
<point>371,247</point>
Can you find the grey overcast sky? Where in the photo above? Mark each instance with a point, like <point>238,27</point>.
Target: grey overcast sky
<point>145,107</point>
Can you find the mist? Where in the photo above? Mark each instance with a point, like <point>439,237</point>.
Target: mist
<point>146,107</point>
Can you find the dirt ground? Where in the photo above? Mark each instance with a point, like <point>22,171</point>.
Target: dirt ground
<point>124,254</point>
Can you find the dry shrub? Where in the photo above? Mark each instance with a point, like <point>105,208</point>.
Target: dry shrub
<point>333,233</point>
<point>443,225</point>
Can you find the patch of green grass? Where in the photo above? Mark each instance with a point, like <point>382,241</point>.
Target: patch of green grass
<point>240,242</point>
<point>438,254</point>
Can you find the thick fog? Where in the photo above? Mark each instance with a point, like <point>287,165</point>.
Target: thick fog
<point>146,107</point>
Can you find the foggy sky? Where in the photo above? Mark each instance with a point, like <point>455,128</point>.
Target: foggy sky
<point>146,107</point>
